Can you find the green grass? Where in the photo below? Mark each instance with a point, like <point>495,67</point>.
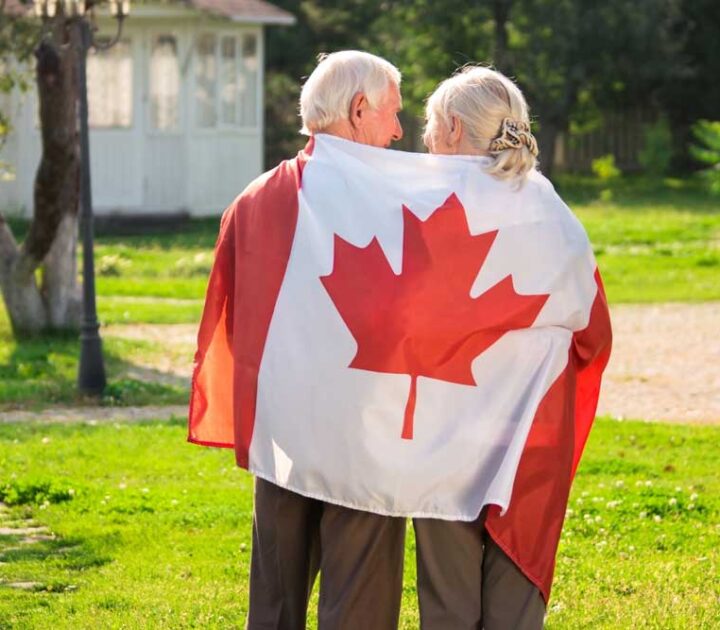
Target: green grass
<point>654,241</point>
<point>39,372</point>
<point>152,532</point>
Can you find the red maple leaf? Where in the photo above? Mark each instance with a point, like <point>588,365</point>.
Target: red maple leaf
<point>423,322</point>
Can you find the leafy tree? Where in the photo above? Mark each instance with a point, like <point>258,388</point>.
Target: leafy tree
<point>292,55</point>
<point>570,57</point>
<point>17,39</point>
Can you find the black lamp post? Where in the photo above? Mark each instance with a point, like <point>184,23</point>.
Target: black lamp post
<point>79,15</point>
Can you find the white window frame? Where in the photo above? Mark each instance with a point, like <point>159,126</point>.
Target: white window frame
<point>152,34</point>
<point>239,36</point>
<point>129,39</point>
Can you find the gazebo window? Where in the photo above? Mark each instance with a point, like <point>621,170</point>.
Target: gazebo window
<point>164,83</point>
<point>229,79</point>
<point>226,76</point>
<point>206,81</point>
<point>249,91</point>
<point>109,81</point>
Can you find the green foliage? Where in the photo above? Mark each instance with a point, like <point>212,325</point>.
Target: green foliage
<point>572,58</point>
<point>35,492</point>
<point>657,150</point>
<point>604,168</point>
<point>707,134</point>
<point>112,265</point>
<point>639,542</point>
<point>18,36</point>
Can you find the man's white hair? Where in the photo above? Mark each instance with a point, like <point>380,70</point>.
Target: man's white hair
<point>329,90</point>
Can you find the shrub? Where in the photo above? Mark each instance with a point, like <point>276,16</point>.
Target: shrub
<point>112,265</point>
<point>657,148</point>
<point>604,168</point>
<point>707,151</point>
<point>198,265</point>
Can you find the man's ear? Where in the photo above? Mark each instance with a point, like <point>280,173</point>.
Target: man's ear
<point>456,131</point>
<point>358,107</point>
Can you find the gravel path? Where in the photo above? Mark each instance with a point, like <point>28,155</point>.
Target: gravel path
<point>665,363</point>
<point>95,415</point>
<point>665,366</point>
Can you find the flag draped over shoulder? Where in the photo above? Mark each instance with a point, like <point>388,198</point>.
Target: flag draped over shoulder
<point>404,334</point>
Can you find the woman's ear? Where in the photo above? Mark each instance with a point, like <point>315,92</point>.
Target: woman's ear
<point>455,131</point>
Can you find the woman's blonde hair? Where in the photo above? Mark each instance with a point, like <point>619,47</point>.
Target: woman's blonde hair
<point>329,90</point>
<point>495,119</point>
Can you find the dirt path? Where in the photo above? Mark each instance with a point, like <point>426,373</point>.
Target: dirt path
<point>665,366</point>
<point>92,414</point>
<point>665,363</point>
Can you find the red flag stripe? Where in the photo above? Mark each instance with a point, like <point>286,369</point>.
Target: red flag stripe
<point>232,336</point>
<point>529,532</point>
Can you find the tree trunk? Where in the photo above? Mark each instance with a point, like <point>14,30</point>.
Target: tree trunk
<point>52,236</point>
<point>546,137</point>
<point>20,293</point>
<point>501,14</point>
<point>24,304</point>
<point>60,289</point>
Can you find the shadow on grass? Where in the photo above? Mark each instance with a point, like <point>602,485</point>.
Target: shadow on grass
<point>72,554</point>
<point>42,370</point>
<point>197,232</point>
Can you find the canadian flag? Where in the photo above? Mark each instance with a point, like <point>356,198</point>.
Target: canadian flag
<point>404,334</point>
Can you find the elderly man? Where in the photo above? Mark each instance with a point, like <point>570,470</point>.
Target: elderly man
<point>353,95</point>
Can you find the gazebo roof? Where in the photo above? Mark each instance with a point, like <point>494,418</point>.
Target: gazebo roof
<point>253,11</point>
<point>257,11</point>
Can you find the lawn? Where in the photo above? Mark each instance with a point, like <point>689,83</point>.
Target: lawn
<point>654,241</point>
<point>149,531</point>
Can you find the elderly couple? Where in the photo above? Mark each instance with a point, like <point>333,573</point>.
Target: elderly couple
<point>470,573</point>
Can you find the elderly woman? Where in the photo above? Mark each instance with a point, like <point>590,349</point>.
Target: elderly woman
<point>489,573</point>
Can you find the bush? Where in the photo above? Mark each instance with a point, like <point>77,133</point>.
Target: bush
<point>198,265</point>
<point>604,168</point>
<point>707,133</point>
<point>112,265</point>
<point>657,149</point>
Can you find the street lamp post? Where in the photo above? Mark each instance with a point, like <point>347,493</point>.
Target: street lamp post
<point>79,15</point>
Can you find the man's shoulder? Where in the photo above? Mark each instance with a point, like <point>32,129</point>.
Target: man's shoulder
<point>271,189</point>
<point>281,178</point>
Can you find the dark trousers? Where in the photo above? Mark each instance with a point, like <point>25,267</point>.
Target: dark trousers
<point>466,581</point>
<point>359,556</point>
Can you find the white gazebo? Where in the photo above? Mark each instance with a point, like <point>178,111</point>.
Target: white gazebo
<point>176,111</point>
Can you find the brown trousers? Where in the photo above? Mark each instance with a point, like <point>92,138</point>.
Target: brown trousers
<point>466,581</point>
<point>359,556</point>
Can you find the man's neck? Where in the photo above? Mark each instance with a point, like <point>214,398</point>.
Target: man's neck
<point>341,129</point>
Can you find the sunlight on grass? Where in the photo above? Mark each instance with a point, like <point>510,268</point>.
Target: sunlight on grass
<point>38,372</point>
<point>141,519</point>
